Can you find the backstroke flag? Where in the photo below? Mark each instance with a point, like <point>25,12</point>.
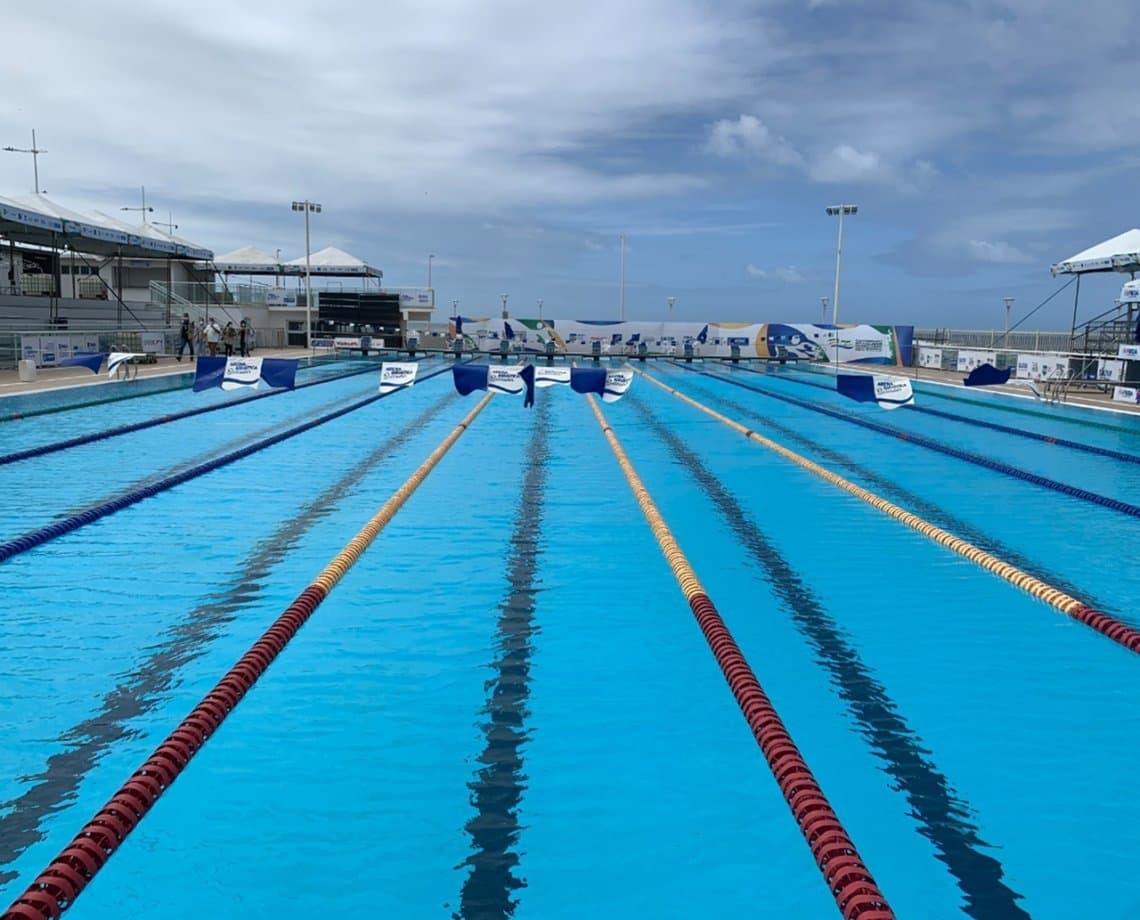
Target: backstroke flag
<point>497,379</point>
<point>118,357</point>
<point>233,373</point>
<point>986,374</point>
<point>551,376</point>
<point>397,375</point>
<point>887,392</point>
<point>617,383</point>
<point>88,359</point>
<point>611,385</point>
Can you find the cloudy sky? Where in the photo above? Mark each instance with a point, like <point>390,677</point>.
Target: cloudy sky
<point>982,141</point>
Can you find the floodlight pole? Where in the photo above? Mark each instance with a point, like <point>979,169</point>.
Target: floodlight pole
<point>35,152</point>
<point>308,207</point>
<point>144,210</point>
<point>621,292</point>
<point>1008,307</point>
<point>839,210</point>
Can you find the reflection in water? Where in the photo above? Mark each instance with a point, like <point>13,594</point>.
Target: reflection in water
<point>141,690</point>
<point>941,815</point>
<point>499,784</point>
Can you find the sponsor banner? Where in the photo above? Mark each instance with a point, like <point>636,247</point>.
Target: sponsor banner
<point>969,359</point>
<point>618,383</point>
<point>1110,370</point>
<point>862,344</point>
<point>1126,394</point>
<point>551,376</point>
<point>280,297</point>
<point>1042,367</point>
<point>1129,351</point>
<point>235,373</point>
<point>396,375</point>
<point>417,298</point>
<point>930,357</point>
<point>152,343</point>
<point>511,380</point>
<point>887,392</point>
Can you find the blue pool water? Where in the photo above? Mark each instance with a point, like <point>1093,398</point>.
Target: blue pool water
<point>506,706</point>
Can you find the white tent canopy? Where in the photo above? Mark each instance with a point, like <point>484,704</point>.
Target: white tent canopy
<point>1119,254</point>
<point>38,220</point>
<point>333,261</point>
<point>247,260</point>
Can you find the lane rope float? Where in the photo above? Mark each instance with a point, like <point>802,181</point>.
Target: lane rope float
<point>981,423</point>
<point>996,465</point>
<point>91,438</point>
<point>1111,627</point>
<point>34,538</point>
<point>68,874</point>
<point>850,882</point>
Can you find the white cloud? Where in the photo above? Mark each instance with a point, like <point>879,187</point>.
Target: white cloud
<point>748,135</point>
<point>437,105</point>
<point>846,164</point>
<point>788,275</point>
<point>999,252</point>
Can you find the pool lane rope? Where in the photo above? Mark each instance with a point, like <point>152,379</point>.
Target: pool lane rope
<point>850,882</point>
<point>1107,625</point>
<point>981,423</point>
<point>65,877</point>
<point>930,444</point>
<point>94,436</point>
<point>48,532</point>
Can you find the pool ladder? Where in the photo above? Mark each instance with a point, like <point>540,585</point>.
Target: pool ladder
<point>1057,387</point>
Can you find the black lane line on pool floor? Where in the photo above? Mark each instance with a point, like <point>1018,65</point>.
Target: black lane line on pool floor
<point>138,692</point>
<point>939,812</point>
<point>912,501</point>
<point>498,788</point>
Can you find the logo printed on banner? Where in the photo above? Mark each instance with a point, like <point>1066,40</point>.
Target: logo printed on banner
<point>241,372</point>
<point>396,375</point>
<point>1126,394</point>
<point>551,376</point>
<point>617,384</point>
<point>887,392</point>
<point>235,372</point>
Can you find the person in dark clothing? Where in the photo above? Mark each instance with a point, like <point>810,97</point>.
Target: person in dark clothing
<point>1138,332</point>
<point>243,328</point>
<point>185,337</point>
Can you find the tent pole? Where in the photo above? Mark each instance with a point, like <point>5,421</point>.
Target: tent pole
<point>1076,300</point>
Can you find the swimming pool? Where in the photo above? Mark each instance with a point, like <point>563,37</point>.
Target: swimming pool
<point>506,707</point>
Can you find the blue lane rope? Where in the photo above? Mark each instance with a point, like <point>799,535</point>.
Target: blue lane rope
<point>993,426</point>
<point>43,535</point>
<point>163,419</point>
<point>995,465</point>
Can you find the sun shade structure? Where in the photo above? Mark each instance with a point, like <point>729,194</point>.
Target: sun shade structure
<point>38,221</point>
<point>333,261</point>
<point>329,262</point>
<point>1119,254</point>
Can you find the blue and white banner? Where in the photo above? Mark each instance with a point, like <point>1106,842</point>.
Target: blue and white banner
<point>610,384</point>
<point>551,376</point>
<point>887,392</point>
<point>119,357</point>
<point>233,373</point>
<point>397,375</point>
<point>89,360</point>
<point>510,380</point>
<point>618,382</point>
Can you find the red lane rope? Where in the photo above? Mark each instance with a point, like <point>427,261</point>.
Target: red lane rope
<point>58,885</point>
<point>851,884</point>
